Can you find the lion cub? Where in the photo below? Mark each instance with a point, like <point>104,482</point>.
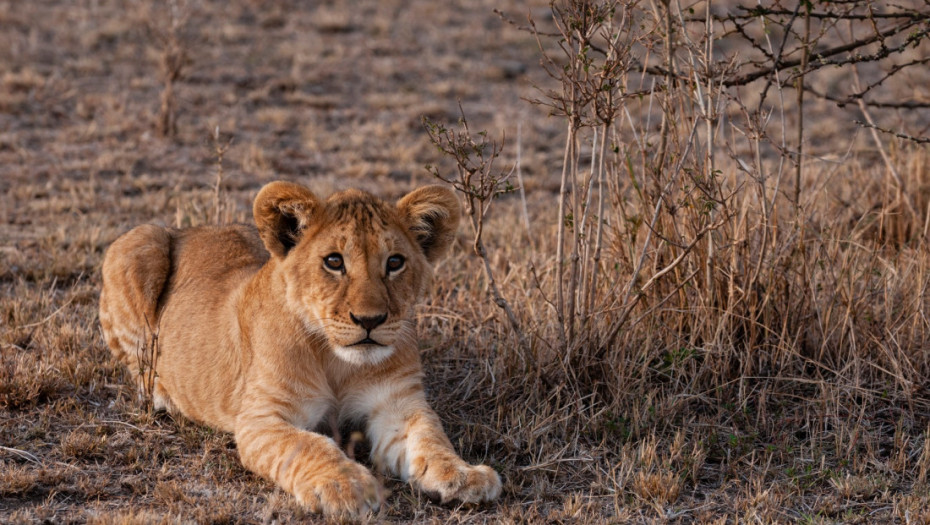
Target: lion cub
<point>267,334</point>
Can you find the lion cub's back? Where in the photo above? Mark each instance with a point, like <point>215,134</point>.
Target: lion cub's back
<point>200,363</point>
<point>211,253</point>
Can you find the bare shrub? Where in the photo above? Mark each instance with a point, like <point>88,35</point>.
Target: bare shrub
<point>479,183</point>
<point>688,269</point>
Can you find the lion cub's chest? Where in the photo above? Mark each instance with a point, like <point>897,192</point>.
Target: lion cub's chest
<point>323,409</point>
<point>312,412</point>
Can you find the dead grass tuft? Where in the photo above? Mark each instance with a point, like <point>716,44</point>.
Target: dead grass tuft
<point>27,380</point>
<point>17,480</point>
<point>124,517</point>
<point>80,444</point>
<point>657,488</point>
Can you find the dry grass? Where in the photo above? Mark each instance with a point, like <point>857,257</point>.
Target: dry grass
<point>774,380</point>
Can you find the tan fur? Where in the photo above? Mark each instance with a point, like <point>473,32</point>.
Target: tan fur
<point>263,345</point>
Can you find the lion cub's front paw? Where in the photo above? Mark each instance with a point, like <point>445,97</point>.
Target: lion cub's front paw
<point>453,479</point>
<point>347,489</point>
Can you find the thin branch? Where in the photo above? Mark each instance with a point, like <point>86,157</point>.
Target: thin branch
<point>918,140</point>
<point>842,101</point>
<point>818,58</point>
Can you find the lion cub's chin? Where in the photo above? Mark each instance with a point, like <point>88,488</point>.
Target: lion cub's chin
<point>363,355</point>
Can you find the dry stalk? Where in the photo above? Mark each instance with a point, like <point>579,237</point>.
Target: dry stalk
<point>519,168</point>
<point>805,54</point>
<point>219,152</point>
<point>173,59</point>
<point>901,193</point>
<point>147,360</point>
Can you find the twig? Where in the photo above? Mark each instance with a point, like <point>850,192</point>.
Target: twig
<point>753,12</point>
<point>526,214</point>
<point>870,125</point>
<point>49,316</point>
<point>23,454</point>
<point>799,161</point>
<point>901,189</point>
<point>125,424</point>
<point>833,51</point>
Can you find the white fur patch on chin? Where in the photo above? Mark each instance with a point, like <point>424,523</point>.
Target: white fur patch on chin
<point>370,355</point>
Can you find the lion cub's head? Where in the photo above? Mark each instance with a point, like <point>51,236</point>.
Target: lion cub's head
<point>353,264</point>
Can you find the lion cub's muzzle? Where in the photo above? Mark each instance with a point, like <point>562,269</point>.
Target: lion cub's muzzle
<point>368,339</point>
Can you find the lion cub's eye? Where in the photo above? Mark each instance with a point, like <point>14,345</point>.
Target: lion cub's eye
<point>395,262</point>
<point>334,262</point>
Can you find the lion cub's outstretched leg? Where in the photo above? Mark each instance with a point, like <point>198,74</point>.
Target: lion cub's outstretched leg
<point>309,465</point>
<point>407,439</point>
<point>135,270</point>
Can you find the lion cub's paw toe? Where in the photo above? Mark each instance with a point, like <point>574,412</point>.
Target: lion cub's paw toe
<point>347,491</point>
<point>458,481</point>
<point>481,484</point>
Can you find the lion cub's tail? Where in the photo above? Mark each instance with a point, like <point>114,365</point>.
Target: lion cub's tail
<point>135,270</point>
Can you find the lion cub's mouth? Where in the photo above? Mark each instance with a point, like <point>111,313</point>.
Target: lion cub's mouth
<point>367,342</point>
<point>367,351</point>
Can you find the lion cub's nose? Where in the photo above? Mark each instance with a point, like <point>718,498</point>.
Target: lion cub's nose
<point>368,322</point>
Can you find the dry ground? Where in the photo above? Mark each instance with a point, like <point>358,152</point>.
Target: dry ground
<point>332,96</point>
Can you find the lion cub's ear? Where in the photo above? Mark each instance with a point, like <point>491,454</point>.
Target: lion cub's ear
<point>432,215</point>
<point>282,211</point>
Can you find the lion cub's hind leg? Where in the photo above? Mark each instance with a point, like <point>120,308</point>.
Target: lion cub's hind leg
<point>135,270</point>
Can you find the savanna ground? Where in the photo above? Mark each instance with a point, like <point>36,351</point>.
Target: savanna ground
<point>754,345</point>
